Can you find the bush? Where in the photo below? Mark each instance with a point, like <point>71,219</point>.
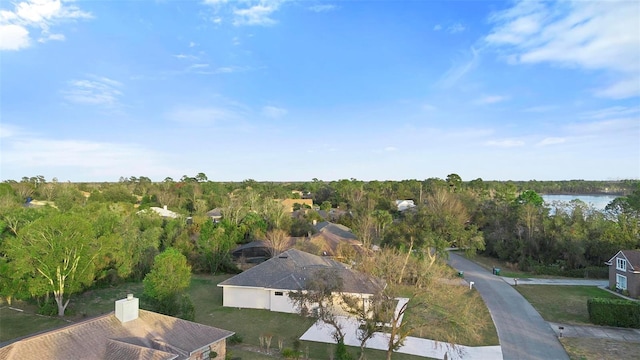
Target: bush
<point>590,272</point>
<point>235,339</point>
<point>614,312</point>
<point>48,308</point>
<point>289,353</point>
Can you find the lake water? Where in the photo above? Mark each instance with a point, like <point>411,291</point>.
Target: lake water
<point>599,202</point>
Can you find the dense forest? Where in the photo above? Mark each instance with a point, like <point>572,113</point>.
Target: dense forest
<point>57,238</point>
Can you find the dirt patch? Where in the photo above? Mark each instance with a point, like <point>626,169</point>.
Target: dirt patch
<point>600,349</point>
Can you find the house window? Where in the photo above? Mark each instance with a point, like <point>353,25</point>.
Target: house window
<point>621,264</point>
<point>279,293</point>
<point>621,282</point>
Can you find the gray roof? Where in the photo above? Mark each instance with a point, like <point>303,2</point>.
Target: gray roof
<point>151,336</point>
<point>291,269</point>
<point>335,229</point>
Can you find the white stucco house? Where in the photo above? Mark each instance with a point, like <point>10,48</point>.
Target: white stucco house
<point>267,285</point>
<point>404,205</point>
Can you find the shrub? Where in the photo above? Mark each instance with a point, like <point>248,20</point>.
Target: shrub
<point>614,312</point>
<point>590,272</point>
<point>235,339</point>
<point>289,353</point>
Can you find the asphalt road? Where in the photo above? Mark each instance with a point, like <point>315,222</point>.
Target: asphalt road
<point>522,331</point>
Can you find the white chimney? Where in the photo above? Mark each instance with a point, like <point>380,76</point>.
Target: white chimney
<point>315,222</point>
<point>127,309</point>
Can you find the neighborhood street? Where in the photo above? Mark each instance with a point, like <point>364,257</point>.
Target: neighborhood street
<point>522,331</point>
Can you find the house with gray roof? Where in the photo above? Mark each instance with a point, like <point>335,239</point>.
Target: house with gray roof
<point>267,285</point>
<point>127,333</point>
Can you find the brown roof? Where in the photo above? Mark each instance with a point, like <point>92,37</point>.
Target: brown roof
<point>151,336</point>
<point>634,258</point>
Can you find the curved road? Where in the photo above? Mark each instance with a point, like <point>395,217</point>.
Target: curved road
<point>522,331</point>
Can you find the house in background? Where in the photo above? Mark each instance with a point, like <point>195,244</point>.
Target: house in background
<point>215,214</point>
<point>267,285</point>
<point>288,204</point>
<point>624,271</point>
<point>329,237</point>
<point>127,333</point>
<point>404,205</point>
<point>162,211</point>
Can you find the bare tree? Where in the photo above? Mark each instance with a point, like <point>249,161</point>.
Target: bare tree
<point>278,241</point>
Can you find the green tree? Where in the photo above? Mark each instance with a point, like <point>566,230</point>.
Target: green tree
<point>58,254</point>
<point>168,280</point>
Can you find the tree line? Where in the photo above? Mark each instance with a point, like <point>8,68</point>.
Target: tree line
<point>93,234</point>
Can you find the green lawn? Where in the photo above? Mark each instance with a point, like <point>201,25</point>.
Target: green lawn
<point>563,304</point>
<point>250,324</point>
<point>14,324</point>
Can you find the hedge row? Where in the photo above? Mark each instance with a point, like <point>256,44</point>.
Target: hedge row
<point>614,312</point>
<point>591,272</point>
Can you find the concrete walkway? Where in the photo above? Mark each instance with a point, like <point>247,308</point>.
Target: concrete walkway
<point>522,332</point>
<point>533,281</point>
<point>321,332</point>
<point>599,332</point>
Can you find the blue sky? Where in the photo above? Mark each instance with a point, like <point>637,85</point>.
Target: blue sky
<point>295,90</point>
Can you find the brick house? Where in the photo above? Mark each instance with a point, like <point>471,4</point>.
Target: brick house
<point>624,271</point>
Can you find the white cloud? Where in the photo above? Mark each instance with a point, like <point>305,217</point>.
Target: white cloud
<point>438,27</point>
<point>185,56</point>
<point>456,28</point>
<point>322,8</point>
<point>429,107</point>
<point>506,143</point>
<point>256,15</point>
<point>13,37</point>
<point>551,141</point>
<point>93,91</point>
<point>15,25</point>
<point>490,99</point>
<point>592,35</point>
<point>274,112</point>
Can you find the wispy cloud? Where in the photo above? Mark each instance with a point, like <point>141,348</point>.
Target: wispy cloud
<point>94,90</point>
<point>274,112</point>
<point>390,148</point>
<point>614,111</point>
<point>506,143</point>
<point>459,70</point>
<point>256,15</point>
<point>456,28</point>
<point>37,15</point>
<point>540,108</point>
<point>616,126</point>
<point>551,141</point>
<point>437,27</point>
<point>185,57</point>
<point>322,8</point>
<point>584,34</point>
<point>490,99</point>
<point>208,115</point>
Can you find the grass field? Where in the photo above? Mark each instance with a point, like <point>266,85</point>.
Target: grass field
<point>563,304</point>
<point>600,349</point>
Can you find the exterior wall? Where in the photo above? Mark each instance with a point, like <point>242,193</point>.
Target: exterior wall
<point>633,280</point>
<point>251,298</point>
<point>219,348</point>
<point>633,284</point>
<point>281,303</point>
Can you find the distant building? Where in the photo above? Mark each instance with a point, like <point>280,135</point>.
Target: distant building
<point>403,205</point>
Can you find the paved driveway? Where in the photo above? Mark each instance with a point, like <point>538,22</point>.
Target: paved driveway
<point>522,331</point>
